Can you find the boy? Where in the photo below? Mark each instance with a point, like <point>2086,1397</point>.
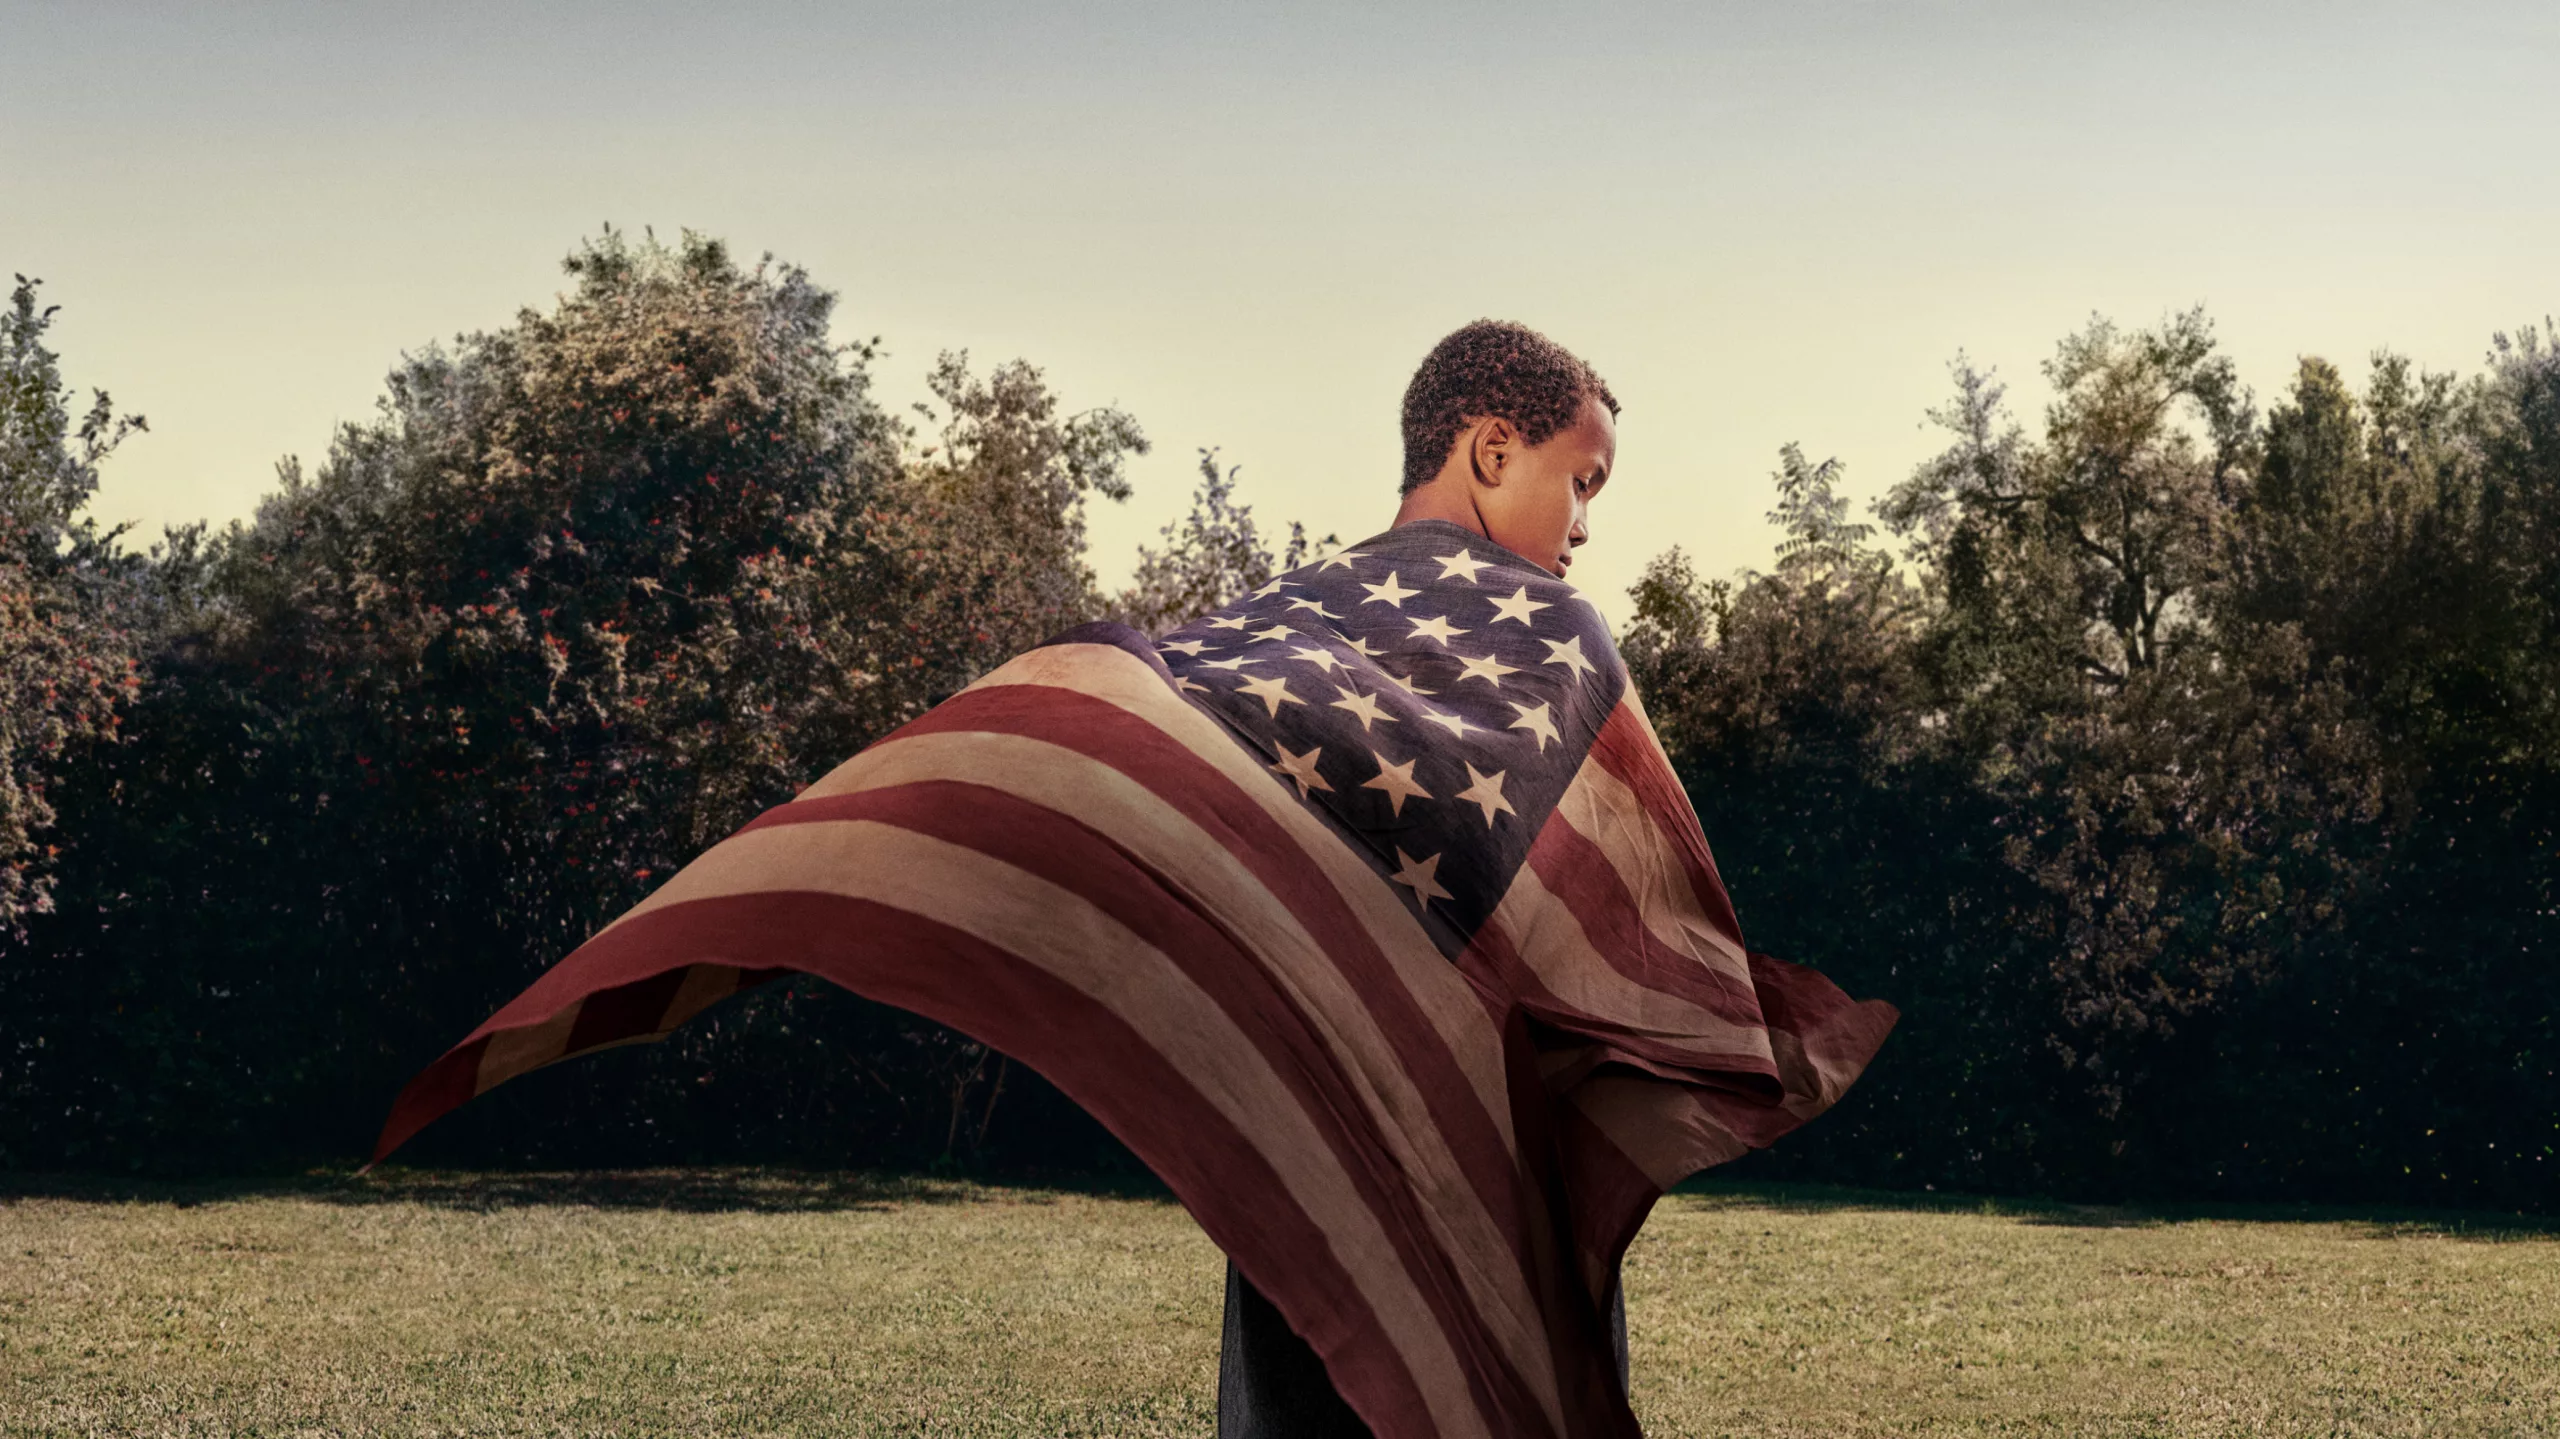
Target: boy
<point>1509,436</point>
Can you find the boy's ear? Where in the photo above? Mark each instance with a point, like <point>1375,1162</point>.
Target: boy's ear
<point>1490,445</point>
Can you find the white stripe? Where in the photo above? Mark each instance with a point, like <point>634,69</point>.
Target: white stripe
<point>1549,938</point>
<point>1603,810</point>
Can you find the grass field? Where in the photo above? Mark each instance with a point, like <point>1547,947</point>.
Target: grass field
<point>737,1303</point>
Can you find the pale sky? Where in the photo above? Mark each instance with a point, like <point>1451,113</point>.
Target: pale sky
<point>1762,222</point>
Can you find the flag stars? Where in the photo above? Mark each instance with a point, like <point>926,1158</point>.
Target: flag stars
<point>1488,668</point>
<point>1185,684</point>
<point>1421,876</point>
<point>1398,782</point>
<point>1276,632</point>
<point>1537,719</point>
<point>1361,646</point>
<point>1404,683</point>
<point>1518,607</point>
<point>1272,691</point>
<point>1390,593</point>
<point>1569,654</point>
<point>1237,663</point>
<point>1339,557</point>
<point>1302,769</point>
<point>1485,792</point>
<point>1462,565</point>
<point>1229,622</point>
<point>1273,588</point>
<point>1303,603</point>
<point>1437,629</point>
<point>1452,723</point>
<point>1185,647</point>
<point>1322,659</point>
<point>1364,707</point>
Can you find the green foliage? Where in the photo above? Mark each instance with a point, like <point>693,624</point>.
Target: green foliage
<point>1213,556</point>
<point>67,602</point>
<point>588,593</point>
<point>2195,796</point>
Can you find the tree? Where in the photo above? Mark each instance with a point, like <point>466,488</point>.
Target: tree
<point>587,594</point>
<point>1212,557</point>
<point>67,600</point>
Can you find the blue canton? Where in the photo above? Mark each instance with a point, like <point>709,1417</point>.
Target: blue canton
<point>1428,692</point>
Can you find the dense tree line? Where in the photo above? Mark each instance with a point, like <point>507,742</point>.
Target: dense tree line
<point>2188,775</point>
<point>2192,779</point>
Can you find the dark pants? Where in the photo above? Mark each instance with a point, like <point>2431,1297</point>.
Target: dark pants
<point>1271,1385</point>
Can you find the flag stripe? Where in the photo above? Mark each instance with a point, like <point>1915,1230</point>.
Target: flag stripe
<point>1360,916</point>
<point>1609,813</point>
<point>1253,1192</point>
<point>1587,880</point>
<point>1627,749</point>
<point>1546,938</point>
<point>1353,1071</point>
<point>1061,930</point>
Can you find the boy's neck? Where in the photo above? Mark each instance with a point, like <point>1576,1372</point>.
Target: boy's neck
<point>1438,500</point>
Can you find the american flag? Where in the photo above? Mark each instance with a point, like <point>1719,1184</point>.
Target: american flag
<point>1366,911</point>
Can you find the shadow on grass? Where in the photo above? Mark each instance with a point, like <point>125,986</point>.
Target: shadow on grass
<point>695,1190</point>
<point>2379,1222</point>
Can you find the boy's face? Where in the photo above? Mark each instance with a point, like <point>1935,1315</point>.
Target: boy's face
<point>1541,510</point>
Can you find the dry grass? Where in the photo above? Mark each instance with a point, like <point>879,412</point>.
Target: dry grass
<point>741,1303</point>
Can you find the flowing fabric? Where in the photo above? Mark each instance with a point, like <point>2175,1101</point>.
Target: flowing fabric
<point>1367,912</point>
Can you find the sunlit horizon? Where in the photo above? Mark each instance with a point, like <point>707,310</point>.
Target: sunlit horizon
<point>1761,227</point>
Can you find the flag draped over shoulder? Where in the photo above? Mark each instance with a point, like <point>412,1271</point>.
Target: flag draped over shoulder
<point>1366,911</point>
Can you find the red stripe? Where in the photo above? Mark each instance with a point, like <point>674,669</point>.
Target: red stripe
<point>441,1087</point>
<point>624,1010</point>
<point>1628,751</point>
<point>1576,872</point>
<point>1611,1197</point>
<point>1090,863</point>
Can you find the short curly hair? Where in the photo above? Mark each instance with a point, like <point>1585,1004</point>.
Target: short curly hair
<point>1492,368</point>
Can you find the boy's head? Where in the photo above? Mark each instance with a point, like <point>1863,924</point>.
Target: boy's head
<point>1505,428</point>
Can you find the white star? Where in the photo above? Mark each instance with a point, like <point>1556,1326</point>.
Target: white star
<point>1402,683</point>
<point>1325,660</point>
<point>1303,603</point>
<point>1338,557</point>
<point>1273,588</point>
<point>1420,876</point>
<point>1518,607</point>
<point>1463,563</point>
<point>1390,593</point>
<point>1449,722</point>
<point>1239,662</point>
<point>1490,669</point>
<point>1272,691</point>
<point>1569,654</point>
<point>1365,706</point>
<point>1186,682</point>
<point>1537,720</point>
<point>1302,768</point>
<point>1438,628</point>
<point>1486,790</point>
<point>1186,647</point>
<point>1363,647</point>
<point>1397,781</point>
<point>1276,632</point>
<point>1230,622</point>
